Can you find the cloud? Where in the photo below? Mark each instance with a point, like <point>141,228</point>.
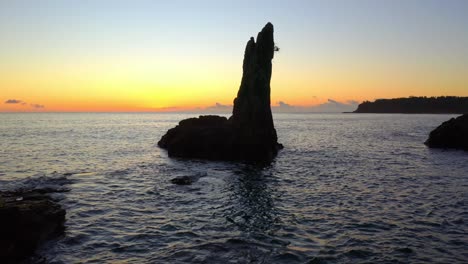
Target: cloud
<point>13,101</point>
<point>335,106</point>
<point>329,106</point>
<point>37,106</point>
<point>169,109</point>
<point>218,107</point>
<point>353,102</point>
<point>282,104</point>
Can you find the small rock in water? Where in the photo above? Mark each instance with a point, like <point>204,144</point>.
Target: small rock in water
<point>450,134</point>
<point>183,180</point>
<point>406,250</point>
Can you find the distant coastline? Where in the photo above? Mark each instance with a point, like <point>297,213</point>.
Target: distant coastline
<point>416,105</point>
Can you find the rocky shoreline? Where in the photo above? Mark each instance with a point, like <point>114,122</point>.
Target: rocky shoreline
<point>27,219</point>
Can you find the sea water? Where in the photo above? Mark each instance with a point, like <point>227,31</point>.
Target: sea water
<point>346,188</point>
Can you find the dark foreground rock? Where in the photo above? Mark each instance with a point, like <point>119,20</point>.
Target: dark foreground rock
<point>249,134</point>
<point>27,218</point>
<point>450,134</point>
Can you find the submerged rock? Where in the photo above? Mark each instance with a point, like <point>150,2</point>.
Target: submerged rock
<point>187,179</point>
<point>183,180</point>
<point>27,218</point>
<point>249,134</point>
<point>450,134</point>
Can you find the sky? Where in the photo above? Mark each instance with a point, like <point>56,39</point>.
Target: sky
<point>183,55</point>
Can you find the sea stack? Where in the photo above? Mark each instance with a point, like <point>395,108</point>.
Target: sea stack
<point>249,134</point>
<point>450,134</point>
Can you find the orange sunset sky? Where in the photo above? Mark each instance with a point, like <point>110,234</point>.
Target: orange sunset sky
<point>185,55</point>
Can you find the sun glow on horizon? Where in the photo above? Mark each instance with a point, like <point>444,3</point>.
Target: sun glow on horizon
<point>126,58</point>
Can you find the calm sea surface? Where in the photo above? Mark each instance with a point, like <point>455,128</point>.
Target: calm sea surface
<point>346,188</point>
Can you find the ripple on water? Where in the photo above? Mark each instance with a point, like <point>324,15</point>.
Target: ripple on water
<point>346,189</point>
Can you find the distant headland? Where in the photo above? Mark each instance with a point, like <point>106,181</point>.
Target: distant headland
<point>416,105</point>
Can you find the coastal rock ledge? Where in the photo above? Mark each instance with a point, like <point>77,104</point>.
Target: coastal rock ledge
<point>450,134</point>
<point>27,219</point>
<point>249,134</point>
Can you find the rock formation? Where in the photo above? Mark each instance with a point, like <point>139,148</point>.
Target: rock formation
<point>450,134</point>
<point>27,218</point>
<point>249,134</point>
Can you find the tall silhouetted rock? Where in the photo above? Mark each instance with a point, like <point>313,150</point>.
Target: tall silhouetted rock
<point>249,134</point>
<point>251,115</point>
<point>450,134</point>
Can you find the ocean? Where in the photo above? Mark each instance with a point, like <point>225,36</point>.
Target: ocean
<point>346,188</point>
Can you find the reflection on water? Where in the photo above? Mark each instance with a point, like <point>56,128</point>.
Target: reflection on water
<point>346,189</point>
<point>251,205</point>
